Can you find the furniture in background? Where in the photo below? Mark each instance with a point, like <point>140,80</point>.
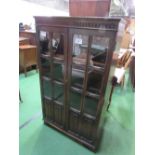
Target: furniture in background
<point>123,63</point>
<point>23,41</point>
<point>27,56</point>
<point>128,33</point>
<point>132,73</point>
<point>76,69</point>
<point>31,35</point>
<point>98,8</point>
<point>132,65</point>
<point>27,50</point>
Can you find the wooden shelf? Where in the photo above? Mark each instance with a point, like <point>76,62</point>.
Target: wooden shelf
<point>46,78</point>
<point>46,56</point>
<point>59,82</point>
<point>47,98</point>
<point>89,94</point>
<point>59,57</point>
<point>56,56</point>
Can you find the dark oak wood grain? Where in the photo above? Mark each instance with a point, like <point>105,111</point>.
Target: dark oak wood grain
<point>99,8</point>
<point>75,94</point>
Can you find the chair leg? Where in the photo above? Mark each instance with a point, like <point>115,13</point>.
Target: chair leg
<point>122,82</point>
<point>20,98</point>
<point>112,89</point>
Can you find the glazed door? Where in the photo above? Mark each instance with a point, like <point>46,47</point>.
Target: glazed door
<point>89,55</point>
<point>53,63</point>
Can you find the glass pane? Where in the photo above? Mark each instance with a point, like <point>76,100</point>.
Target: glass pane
<point>47,89</point>
<point>75,99</point>
<point>58,72</point>
<point>99,50</point>
<point>59,93</point>
<point>94,82</point>
<point>90,105</point>
<point>58,46</point>
<point>45,67</point>
<point>44,42</point>
<point>79,57</point>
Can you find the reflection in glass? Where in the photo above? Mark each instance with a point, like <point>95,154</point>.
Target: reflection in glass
<point>90,105</point>
<point>58,72</point>
<point>47,89</point>
<point>44,41</point>
<point>94,82</point>
<point>58,44</point>
<point>59,93</point>
<point>45,67</point>
<point>99,50</point>
<point>75,99</point>
<point>79,57</point>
